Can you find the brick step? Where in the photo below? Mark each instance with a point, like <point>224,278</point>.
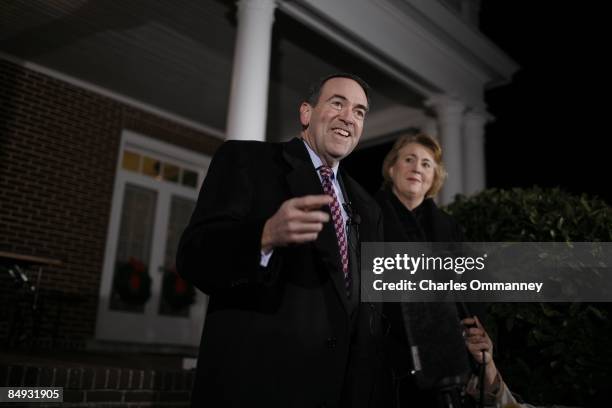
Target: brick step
<point>101,386</point>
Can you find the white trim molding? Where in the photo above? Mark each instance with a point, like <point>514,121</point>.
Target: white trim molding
<point>423,44</point>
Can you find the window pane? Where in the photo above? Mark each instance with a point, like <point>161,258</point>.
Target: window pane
<point>177,295</point>
<point>151,167</point>
<point>132,278</point>
<point>171,172</point>
<point>190,178</point>
<point>131,161</point>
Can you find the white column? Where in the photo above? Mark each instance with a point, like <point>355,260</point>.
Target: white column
<point>431,128</point>
<point>473,150</point>
<point>450,124</point>
<point>246,118</point>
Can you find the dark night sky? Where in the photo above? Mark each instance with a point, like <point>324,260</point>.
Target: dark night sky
<point>549,120</point>
<point>550,128</point>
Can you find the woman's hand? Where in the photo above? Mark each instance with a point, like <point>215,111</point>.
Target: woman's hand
<point>477,340</point>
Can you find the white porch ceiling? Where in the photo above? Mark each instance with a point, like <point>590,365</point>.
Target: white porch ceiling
<point>177,56</point>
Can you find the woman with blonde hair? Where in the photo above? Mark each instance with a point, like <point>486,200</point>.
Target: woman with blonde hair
<point>413,174</point>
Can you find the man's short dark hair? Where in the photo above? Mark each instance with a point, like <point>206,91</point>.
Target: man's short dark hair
<point>314,91</point>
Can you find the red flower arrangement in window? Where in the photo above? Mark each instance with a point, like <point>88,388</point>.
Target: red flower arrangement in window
<point>132,282</point>
<point>177,292</point>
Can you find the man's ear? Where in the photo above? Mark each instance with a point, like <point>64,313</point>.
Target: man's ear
<point>305,112</point>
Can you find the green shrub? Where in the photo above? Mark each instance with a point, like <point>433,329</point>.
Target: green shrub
<point>547,352</point>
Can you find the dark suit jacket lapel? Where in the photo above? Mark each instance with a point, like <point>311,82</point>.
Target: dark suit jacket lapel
<point>303,180</point>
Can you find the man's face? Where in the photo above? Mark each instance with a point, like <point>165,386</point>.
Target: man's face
<point>334,125</point>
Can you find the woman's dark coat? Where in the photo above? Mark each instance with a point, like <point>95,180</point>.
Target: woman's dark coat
<point>426,223</point>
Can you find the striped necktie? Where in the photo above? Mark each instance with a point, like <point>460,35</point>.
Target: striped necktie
<point>326,180</point>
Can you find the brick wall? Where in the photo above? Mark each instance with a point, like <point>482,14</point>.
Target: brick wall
<point>104,387</point>
<point>58,154</point>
